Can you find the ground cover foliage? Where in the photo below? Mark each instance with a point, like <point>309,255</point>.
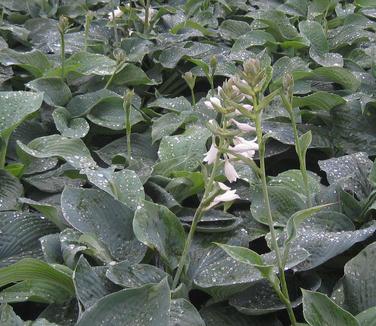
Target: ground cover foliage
<point>107,112</point>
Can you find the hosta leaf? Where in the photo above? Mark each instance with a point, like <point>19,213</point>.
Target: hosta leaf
<point>50,284</point>
<point>176,104</point>
<point>350,172</point>
<point>158,228</point>
<point>15,107</point>
<point>224,315</point>
<point>183,313</point>
<point>319,310</point>
<point>232,29</point>
<point>89,283</point>
<point>73,151</point>
<point>252,38</point>
<point>19,235</point>
<point>123,185</point>
<point>189,147</point>
<point>131,75</point>
<point>293,180</point>
<point>325,240</point>
<point>109,113</point>
<point>110,221</point>
<point>82,104</point>
<point>148,305</point>
<point>319,101</point>
<point>352,130</point>
<point>56,92</point>
<point>144,154</point>
<point>339,76</point>
<point>131,276</point>
<point>283,201</point>
<point>367,317</point>
<point>35,61</point>
<point>68,126</point>
<point>319,49</point>
<point>260,298</point>
<point>92,64</point>
<point>9,317</point>
<point>10,190</point>
<point>359,282</point>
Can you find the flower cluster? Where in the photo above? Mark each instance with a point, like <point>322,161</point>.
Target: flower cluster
<point>117,13</point>
<point>231,141</point>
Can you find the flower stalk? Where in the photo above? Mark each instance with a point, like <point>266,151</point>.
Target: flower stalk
<point>63,27</point>
<point>127,104</point>
<point>286,95</point>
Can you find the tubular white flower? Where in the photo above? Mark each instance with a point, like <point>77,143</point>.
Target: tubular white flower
<point>209,105</point>
<point>117,12</point>
<point>229,195</point>
<point>215,101</point>
<point>243,126</point>
<point>230,172</point>
<point>211,155</point>
<point>245,147</point>
<point>223,187</point>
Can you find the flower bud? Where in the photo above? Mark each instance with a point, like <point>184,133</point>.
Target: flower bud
<point>119,55</point>
<point>190,79</point>
<point>213,64</point>
<point>63,25</point>
<point>288,84</point>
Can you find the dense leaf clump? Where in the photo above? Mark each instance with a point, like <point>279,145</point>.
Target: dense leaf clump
<point>111,128</point>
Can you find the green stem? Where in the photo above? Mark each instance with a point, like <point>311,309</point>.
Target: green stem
<point>275,247</point>
<point>114,23</point>
<point>3,151</point>
<point>128,130</point>
<point>147,13</point>
<point>87,27</point>
<point>62,54</point>
<point>302,160</point>
<point>196,219</point>
<point>193,97</point>
<point>110,80</point>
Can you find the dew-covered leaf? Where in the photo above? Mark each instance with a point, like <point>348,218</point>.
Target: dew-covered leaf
<point>319,101</point>
<point>19,236</point>
<point>72,150</point>
<point>136,275</point>
<point>56,91</point>
<point>183,313</point>
<point>10,190</point>
<point>36,281</point>
<point>68,126</point>
<point>160,229</point>
<point>319,310</point>
<point>123,185</point>
<point>110,221</point>
<point>92,64</point>
<point>148,305</point>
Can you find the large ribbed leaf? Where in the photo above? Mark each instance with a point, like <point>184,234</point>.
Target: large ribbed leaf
<point>123,185</point>
<point>92,64</point>
<point>68,126</point>
<point>10,190</point>
<point>157,227</point>
<point>130,276</point>
<point>319,310</point>
<point>71,150</point>
<point>96,212</point>
<point>148,306</point>
<point>56,92</point>
<point>225,315</point>
<point>15,107</point>
<point>183,313</point>
<point>19,236</point>
<point>188,148</point>
<point>90,283</point>
<point>37,281</point>
<point>358,285</point>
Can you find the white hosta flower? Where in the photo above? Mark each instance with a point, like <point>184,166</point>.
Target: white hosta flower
<point>230,172</point>
<point>245,147</point>
<point>211,155</point>
<point>229,195</point>
<point>245,127</point>
<point>117,12</point>
<point>223,187</point>
<point>213,103</point>
<point>248,107</point>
